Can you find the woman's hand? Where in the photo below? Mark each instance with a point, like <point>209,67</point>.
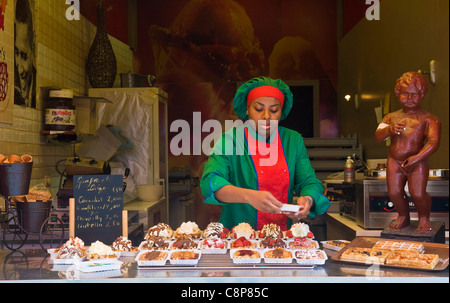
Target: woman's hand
<point>261,200</point>
<point>305,207</point>
<point>265,201</point>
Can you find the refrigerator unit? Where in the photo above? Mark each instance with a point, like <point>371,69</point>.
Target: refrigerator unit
<point>142,117</point>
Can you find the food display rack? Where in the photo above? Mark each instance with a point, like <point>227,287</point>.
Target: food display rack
<point>35,266</point>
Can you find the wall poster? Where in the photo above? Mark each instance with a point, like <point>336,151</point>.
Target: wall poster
<point>24,54</point>
<point>6,65</point>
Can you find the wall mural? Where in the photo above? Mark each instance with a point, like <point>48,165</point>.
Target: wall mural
<point>6,53</point>
<point>24,54</point>
<point>200,50</point>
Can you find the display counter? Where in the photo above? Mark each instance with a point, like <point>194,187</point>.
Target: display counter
<point>34,266</point>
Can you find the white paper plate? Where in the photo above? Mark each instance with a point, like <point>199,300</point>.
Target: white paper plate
<point>316,244</point>
<point>333,247</point>
<point>141,246</point>
<point>214,251</point>
<point>245,261</point>
<point>116,253</point>
<point>277,260</point>
<point>185,262</point>
<point>302,261</point>
<point>54,260</point>
<point>128,254</point>
<point>151,263</point>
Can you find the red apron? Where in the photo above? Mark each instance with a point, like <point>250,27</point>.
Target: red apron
<point>272,178</point>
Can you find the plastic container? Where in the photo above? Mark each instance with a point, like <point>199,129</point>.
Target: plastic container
<point>60,113</point>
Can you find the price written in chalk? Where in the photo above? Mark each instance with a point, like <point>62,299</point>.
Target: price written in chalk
<point>98,207</point>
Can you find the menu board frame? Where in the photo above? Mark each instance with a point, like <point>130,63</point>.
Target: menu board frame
<point>97,212</point>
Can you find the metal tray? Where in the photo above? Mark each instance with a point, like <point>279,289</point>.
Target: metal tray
<point>429,248</point>
<point>224,262</point>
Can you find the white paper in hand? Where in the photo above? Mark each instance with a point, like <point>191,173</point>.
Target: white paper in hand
<point>290,207</point>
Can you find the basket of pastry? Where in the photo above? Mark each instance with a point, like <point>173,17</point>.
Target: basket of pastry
<point>303,243</point>
<point>399,246</point>
<point>189,229</point>
<point>160,230</point>
<point>278,255</point>
<point>99,250</point>
<point>243,230</point>
<point>214,246</point>
<point>185,257</point>
<point>334,244</point>
<point>365,255</point>
<point>412,259</point>
<point>70,252</point>
<point>310,256</point>
<point>183,242</point>
<point>270,230</point>
<point>299,230</point>
<point>395,253</point>
<point>215,230</point>
<point>125,247</point>
<point>270,242</point>
<point>242,242</point>
<point>152,258</point>
<point>154,243</point>
<point>245,256</point>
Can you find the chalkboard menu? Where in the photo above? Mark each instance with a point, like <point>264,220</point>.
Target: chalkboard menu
<point>98,207</point>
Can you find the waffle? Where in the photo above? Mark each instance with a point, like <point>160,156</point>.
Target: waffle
<point>399,246</point>
<point>246,254</point>
<point>402,258</point>
<point>278,253</point>
<point>184,255</point>
<point>361,254</point>
<point>310,254</point>
<point>153,256</point>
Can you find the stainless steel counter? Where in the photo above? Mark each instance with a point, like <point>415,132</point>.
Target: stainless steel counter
<point>33,266</point>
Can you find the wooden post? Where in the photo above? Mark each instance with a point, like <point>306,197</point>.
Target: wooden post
<point>71,218</point>
<point>125,223</point>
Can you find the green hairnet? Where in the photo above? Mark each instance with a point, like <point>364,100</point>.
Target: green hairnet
<point>240,99</point>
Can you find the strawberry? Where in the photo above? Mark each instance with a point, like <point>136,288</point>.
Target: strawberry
<point>310,235</point>
<point>238,243</point>
<point>246,242</point>
<point>289,234</point>
<point>219,244</point>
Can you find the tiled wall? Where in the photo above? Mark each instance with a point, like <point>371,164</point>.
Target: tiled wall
<point>62,47</point>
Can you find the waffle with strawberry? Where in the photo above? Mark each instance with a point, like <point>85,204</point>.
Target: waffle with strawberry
<point>215,230</point>
<point>242,242</point>
<point>243,230</point>
<point>299,230</point>
<point>270,230</point>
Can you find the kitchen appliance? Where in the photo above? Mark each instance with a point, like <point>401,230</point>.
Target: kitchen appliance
<point>374,209</point>
<point>67,168</point>
<point>343,193</point>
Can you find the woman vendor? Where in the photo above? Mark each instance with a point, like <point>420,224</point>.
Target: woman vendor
<point>254,168</point>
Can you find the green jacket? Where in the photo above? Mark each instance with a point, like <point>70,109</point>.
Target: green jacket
<point>236,168</point>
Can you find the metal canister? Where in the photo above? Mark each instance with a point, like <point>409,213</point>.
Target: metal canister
<point>349,170</point>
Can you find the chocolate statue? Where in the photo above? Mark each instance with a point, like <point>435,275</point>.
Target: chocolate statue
<point>415,135</point>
